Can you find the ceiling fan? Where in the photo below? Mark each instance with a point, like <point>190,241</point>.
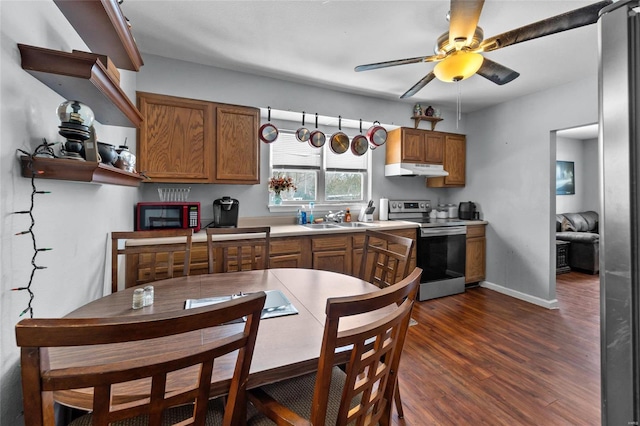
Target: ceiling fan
<point>458,51</point>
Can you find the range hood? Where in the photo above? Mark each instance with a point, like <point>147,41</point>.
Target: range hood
<point>414,169</point>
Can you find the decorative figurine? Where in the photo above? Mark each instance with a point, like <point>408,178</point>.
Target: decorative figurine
<point>429,111</point>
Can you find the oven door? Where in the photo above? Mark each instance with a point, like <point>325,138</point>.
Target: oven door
<point>442,255</point>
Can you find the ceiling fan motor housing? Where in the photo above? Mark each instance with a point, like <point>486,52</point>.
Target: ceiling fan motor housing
<point>443,47</point>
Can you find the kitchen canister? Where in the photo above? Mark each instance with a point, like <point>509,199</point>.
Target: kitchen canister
<point>384,209</point>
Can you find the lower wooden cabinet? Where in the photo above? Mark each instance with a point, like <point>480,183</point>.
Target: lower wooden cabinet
<point>476,254</point>
<point>290,252</point>
<point>358,248</point>
<point>338,252</point>
<point>332,253</point>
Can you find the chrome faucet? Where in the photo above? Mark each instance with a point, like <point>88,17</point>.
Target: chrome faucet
<point>337,217</point>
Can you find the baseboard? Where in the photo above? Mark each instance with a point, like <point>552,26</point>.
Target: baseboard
<point>549,304</point>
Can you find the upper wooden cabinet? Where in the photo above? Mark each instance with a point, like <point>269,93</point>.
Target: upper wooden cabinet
<point>194,141</point>
<point>174,141</point>
<point>454,162</point>
<point>414,146</point>
<point>237,138</point>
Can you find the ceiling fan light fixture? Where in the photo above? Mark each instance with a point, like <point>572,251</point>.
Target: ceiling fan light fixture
<point>458,66</point>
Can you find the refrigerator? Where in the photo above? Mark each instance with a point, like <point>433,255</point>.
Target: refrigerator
<point>619,154</point>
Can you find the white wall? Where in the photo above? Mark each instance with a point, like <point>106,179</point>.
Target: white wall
<point>178,78</point>
<point>73,220</point>
<point>584,154</point>
<point>511,174</point>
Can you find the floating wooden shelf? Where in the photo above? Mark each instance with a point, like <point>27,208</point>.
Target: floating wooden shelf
<point>104,29</point>
<point>81,78</point>
<point>77,170</point>
<point>433,120</point>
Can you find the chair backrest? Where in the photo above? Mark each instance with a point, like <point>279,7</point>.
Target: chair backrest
<point>238,249</point>
<point>148,259</point>
<point>374,347</point>
<point>36,337</point>
<point>385,258</point>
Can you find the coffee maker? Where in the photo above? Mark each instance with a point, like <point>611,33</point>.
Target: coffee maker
<point>225,213</point>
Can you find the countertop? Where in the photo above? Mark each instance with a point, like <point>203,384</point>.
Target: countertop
<point>279,229</point>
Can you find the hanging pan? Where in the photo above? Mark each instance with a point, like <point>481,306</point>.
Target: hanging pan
<point>377,134</point>
<point>268,132</point>
<point>359,143</point>
<point>317,138</point>
<point>339,142</point>
<point>303,134</point>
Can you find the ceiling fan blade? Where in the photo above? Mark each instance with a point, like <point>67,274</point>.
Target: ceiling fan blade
<point>463,20</point>
<point>419,85</point>
<point>386,64</point>
<point>573,19</point>
<point>497,73</point>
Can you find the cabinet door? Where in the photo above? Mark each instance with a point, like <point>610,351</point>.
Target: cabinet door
<point>413,146</point>
<point>454,162</point>
<point>434,148</point>
<point>173,139</point>
<point>237,148</point>
<point>358,248</point>
<point>289,253</point>
<point>475,268</point>
<point>454,159</point>
<point>331,253</point>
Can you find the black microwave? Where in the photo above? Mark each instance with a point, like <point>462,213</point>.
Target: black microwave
<point>163,215</point>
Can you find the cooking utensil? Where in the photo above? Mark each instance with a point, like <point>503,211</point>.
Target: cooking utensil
<point>359,143</point>
<point>268,132</point>
<point>339,142</point>
<point>377,134</point>
<point>303,134</point>
<point>317,138</point>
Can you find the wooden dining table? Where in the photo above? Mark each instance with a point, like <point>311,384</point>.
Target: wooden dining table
<point>286,346</point>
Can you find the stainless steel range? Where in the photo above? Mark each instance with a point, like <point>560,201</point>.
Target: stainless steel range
<point>441,251</point>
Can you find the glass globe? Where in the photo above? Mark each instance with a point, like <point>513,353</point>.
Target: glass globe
<point>75,112</point>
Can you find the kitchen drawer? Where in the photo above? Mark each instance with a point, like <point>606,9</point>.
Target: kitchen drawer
<point>408,233</point>
<point>475,231</point>
<point>285,246</point>
<point>329,243</point>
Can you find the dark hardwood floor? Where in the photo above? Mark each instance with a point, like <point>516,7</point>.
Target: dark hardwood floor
<point>485,358</point>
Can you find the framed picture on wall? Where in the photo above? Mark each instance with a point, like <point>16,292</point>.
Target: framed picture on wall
<point>565,178</point>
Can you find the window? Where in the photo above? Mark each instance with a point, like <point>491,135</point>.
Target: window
<point>319,175</point>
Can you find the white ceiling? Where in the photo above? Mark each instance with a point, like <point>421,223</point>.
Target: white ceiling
<point>320,42</point>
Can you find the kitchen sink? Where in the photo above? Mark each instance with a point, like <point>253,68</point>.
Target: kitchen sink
<point>355,225</point>
<point>321,226</point>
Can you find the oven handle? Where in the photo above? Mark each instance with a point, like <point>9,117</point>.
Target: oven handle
<point>443,230</point>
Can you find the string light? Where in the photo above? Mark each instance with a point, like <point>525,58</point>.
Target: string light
<point>46,149</point>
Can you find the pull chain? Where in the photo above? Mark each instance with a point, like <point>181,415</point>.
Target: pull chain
<point>458,104</point>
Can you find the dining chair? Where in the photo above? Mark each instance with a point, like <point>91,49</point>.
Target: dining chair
<point>148,258</point>
<point>385,260</point>
<point>362,393</point>
<point>238,249</point>
<point>157,406</point>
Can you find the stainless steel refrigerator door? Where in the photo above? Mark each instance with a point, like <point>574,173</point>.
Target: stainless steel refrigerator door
<point>619,143</point>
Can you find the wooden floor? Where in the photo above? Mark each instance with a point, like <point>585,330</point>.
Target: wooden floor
<point>485,358</point>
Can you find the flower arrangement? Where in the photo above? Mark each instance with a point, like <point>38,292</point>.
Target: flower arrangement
<point>278,184</point>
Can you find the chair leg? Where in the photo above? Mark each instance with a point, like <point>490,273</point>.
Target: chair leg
<point>398,400</point>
